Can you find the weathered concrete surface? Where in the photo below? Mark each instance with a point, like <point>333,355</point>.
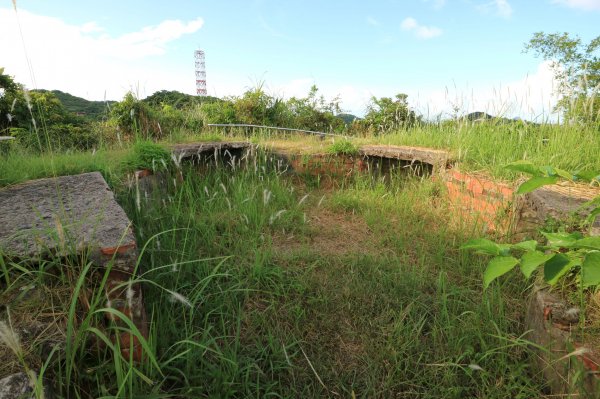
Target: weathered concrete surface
<point>76,214</point>
<point>62,215</point>
<point>439,159</point>
<point>191,150</point>
<point>18,386</point>
<point>559,202</point>
<point>552,327</point>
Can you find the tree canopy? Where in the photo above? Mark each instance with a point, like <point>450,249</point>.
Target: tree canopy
<point>576,67</point>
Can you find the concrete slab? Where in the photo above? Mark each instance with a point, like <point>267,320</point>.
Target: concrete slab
<point>190,150</point>
<point>560,202</point>
<point>550,325</point>
<point>73,214</point>
<point>62,215</point>
<point>436,158</point>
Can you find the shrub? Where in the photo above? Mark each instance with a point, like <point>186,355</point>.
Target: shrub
<point>148,155</point>
<point>343,147</point>
<point>136,118</point>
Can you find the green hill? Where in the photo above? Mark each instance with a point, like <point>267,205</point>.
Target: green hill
<point>92,110</point>
<point>177,99</point>
<point>347,118</point>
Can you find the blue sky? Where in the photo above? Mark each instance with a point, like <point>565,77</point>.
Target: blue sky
<point>463,53</point>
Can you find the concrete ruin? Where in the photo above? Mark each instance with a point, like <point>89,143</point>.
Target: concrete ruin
<point>437,159</point>
<point>75,215</point>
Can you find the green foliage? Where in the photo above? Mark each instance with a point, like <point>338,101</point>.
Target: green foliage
<point>562,252</point>
<point>257,107</point>
<point>218,112</point>
<point>314,112</point>
<point>136,118</point>
<point>9,94</point>
<point>343,147</point>
<point>177,99</point>
<point>576,67</point>
<point>386,114</point>
<point>147,155</point>
<point>90,110</point>
<point>40,122</point>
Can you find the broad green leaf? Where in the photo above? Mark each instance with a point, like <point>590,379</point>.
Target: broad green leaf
<point>530,245</point>
<point>548,170</point>
<point>556,267</point>
<point>525,167</point>
<point>588,176</point>
<point>531,260</point>
<point>562,240</point>
<point>590,269</point>
<point>535,183</point>
<point>504,249</point>
<point>588,243</point>
<point>564,174</point>
<point>591,218</point>
<point>497,267</point>
<point>483,246</point>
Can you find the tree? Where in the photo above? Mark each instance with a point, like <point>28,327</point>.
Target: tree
<point>576,67</point>
<point>385,114</point>
<point>314,112</point>
<point>9,91</point>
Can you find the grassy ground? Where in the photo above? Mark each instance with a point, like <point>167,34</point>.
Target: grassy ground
<point>260,285</point>
<point>483,148</point>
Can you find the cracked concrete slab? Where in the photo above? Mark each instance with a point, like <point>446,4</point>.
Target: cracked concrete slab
<point>190,150</point>
<point>436,158</point>
<point>62,215</point>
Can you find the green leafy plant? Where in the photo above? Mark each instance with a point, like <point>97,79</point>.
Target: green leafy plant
<point>562,252</point>
<point>343,147</point>
<point>148,155</point>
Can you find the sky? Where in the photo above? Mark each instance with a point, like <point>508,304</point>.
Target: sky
<point>447,55</point>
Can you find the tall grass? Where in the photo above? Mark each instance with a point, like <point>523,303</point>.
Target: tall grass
<point>489,146</point>
<point>233,315</point>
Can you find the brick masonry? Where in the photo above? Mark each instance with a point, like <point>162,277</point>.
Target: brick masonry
<point>478,197</point>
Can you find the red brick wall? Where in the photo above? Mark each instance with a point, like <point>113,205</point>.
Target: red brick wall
<point>480,197</point>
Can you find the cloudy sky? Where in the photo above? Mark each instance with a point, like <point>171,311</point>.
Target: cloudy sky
<point>445,54</point>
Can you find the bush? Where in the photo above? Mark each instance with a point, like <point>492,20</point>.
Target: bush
<point>148,155</point>
<point>343,147</point>
<point>386,114</point>
<point>136,118</point>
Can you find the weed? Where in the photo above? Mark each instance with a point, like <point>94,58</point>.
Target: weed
<point>343,147</point>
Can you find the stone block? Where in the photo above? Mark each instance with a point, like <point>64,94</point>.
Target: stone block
<point>559,202</point>
<point>568,366</point>
<point>439,159</point>
<point>62,216</point>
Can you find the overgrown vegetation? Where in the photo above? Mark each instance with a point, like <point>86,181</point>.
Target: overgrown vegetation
<point>576,67</point>
<point>252,291</point>
<point>259,284</point>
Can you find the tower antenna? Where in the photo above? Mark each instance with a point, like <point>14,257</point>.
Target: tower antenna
<point>200,73</point>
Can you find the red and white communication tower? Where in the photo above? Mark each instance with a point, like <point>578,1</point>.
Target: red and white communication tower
<point>200,73</point>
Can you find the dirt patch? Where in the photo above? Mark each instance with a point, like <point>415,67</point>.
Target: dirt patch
<point>329,233</point>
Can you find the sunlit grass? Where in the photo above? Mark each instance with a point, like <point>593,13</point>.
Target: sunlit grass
<point>234,314</point>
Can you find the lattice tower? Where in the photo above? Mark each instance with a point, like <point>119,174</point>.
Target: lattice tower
<point>200,73</point>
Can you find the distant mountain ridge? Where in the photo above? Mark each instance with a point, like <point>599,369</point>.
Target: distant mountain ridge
<point>480,117</point>
<point>93,110</point>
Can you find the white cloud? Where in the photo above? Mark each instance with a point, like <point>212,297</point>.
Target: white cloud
<point>85,61</point>
<point>581,4</point>
<point>501,8</point>
<point>532,97</point>
<point>372,21</point>
<point>421,31</point>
